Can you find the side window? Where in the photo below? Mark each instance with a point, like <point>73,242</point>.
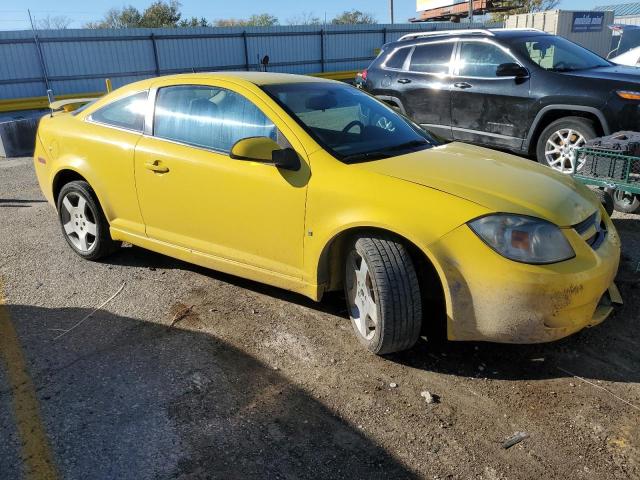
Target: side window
<point>432,58</point>
<point>397,58</point>
<point>479,59</point>
<point>126,113</point>
<point>209,117</point>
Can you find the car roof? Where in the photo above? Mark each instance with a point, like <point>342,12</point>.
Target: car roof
<point>247,78</point>
<point>499,33</point>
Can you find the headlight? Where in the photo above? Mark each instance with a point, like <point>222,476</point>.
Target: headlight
<point>523,239</point>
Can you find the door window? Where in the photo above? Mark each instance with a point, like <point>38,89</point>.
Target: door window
<point>432,58</point>
<point>480,59</point>
<point>209,117</point>
<point>397,58</point>
<point>126,113</point>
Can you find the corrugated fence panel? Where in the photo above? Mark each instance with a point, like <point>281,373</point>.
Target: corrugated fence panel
<point>78,61</point>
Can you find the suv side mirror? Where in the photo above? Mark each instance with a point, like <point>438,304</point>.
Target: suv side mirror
<point>265,150</point>
<point>512,69</point>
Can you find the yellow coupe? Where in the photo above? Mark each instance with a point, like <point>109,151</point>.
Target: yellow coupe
<point>313,186</point>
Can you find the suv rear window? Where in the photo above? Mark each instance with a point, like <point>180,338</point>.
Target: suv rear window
<point>397,58</point>
<point>432,58</point>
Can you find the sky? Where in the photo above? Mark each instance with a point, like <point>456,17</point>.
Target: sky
<point>13,14</point>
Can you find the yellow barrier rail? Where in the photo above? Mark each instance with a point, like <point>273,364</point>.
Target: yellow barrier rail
<point>38,103</point>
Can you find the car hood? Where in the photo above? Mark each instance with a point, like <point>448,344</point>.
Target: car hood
<point>621,73</point>
<point>497,181</point>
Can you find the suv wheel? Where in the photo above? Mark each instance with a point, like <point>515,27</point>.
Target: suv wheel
<point>557,142</point>
<point>84,226</point>
<point>383,295</point>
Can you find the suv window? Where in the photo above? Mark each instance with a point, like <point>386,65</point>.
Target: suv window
<point>557,54</point>
<point>432,58</point>
<point>397,58</point>
<point>209,117</point>
<point>126,113</point>
<point>481,59</point>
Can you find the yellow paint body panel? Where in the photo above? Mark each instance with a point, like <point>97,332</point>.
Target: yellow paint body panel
<point>278,227</point>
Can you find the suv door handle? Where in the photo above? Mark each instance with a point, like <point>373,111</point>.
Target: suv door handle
<point>462,85</point>
<point>156,167</point>
<point>404,80</point>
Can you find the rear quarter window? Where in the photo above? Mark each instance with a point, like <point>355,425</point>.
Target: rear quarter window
<point>125,113</point>
<point>397,58</point>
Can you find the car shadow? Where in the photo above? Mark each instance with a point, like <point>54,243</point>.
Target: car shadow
<point>610,351</point>
<point>125,398</point>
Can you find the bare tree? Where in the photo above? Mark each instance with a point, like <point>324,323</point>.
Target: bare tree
<point>525,6</point>
<point>305,18</point>
<point>53,23</point>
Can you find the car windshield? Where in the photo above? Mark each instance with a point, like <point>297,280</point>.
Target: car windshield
<point>351,125</point>
<point>557,54</point>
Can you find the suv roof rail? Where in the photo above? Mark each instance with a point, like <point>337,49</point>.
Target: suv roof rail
<point>521,29</point>
<point>434,33</point>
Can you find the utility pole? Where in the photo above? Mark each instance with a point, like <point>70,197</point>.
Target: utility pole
<point>470,11</point>
<point>391,11</point>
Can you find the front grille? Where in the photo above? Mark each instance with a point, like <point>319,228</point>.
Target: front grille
<point>593,230</point>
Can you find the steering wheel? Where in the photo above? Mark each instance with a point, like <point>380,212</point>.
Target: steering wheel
<point>352,124</point>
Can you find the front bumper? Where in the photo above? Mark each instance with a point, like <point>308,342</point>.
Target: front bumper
<point>491,298</point>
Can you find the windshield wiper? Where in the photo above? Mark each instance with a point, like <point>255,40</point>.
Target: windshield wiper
<point>384,152</point>
<point>410,144</point>
<point>360,157</point>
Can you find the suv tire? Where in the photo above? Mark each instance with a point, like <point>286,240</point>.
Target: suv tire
<point>566,133</point>
<point>383,294</point>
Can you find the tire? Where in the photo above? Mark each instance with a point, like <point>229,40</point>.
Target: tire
<point>583,129</point>
<point>380,274</point>
<point>83,223</point>
<point>605,199</point>
<point>626,202</point>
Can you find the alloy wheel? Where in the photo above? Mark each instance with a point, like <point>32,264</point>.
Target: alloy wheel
<point>79,221</point>
<point>559,149</point>
<point>361,298</point>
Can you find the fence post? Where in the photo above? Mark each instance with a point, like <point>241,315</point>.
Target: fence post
<point>384,34</point>
<point>155,53</point>
<point>246,50</point>
<point>322,50</point>
<point>43,65</point>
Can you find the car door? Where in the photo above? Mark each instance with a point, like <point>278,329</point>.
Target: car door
<point>486,108</point>
<point>193,195</point>
<point>424,87</point>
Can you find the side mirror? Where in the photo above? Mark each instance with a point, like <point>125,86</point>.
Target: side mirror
<point>512,70</point>
<point>265,150</point>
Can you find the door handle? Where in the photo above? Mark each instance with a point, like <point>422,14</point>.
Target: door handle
<point>156,167</point>
<point>404,80</point>
<point>462,85</point>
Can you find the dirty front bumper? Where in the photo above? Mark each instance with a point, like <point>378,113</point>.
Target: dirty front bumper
<point>492,298</point>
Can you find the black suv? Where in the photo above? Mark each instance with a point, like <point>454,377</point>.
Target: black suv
<point>522,90</point>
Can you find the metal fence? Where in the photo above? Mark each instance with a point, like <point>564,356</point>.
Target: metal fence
<point>75,61</point>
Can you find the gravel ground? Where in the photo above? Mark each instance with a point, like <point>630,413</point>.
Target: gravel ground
<point>188,373</point>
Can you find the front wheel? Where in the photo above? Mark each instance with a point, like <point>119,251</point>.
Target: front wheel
<point>383,294</point>
<point>557,142</point>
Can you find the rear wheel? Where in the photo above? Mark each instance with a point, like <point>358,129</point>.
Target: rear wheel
<point>383,294</point>
<point>83,223</point>
<point>557,142</point>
